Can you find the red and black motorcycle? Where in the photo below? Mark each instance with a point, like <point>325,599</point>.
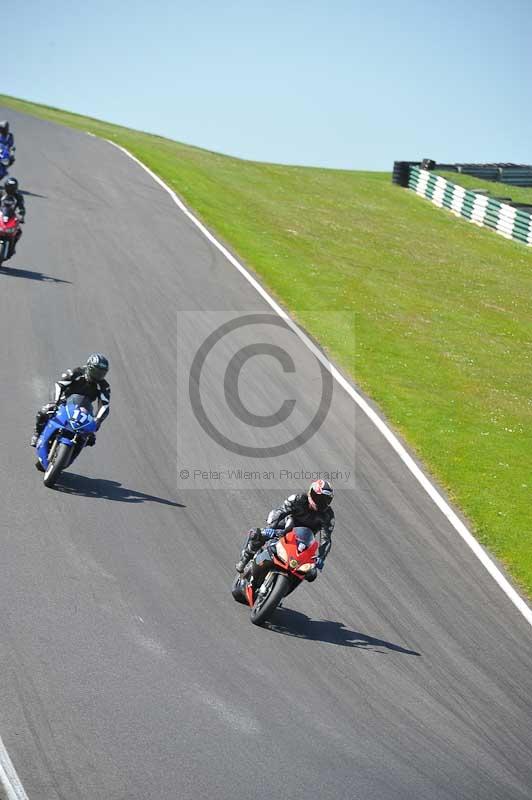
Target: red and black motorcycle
<point>9,230</point>
<point>276,571</point>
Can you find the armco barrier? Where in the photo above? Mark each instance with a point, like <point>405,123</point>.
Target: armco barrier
<point>510,221</point>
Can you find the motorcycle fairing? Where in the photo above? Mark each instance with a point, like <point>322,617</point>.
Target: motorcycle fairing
<point>69,418</point>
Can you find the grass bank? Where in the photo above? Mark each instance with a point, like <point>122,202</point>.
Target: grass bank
<point>443,311</point>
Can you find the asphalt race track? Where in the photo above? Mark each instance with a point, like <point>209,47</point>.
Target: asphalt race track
<point>127,671</point>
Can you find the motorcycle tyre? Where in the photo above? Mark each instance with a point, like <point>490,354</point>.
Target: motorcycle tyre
<point>60,461</point>
<point>4,249</point>
<point>236,591</point>
<point>280,588</point>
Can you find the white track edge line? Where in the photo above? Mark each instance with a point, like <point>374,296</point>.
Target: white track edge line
<point>390,437</point>
<point>9,779</point>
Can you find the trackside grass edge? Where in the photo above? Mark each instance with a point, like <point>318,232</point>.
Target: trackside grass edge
<point>442,309</point>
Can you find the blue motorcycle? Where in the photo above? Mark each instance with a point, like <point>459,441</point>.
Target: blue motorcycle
<point>64,437</point>
<point>6,159</point>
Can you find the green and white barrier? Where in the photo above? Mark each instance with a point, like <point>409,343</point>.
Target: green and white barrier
<point>509,221</point>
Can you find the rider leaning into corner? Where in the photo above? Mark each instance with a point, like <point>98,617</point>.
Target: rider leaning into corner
<point>11,198</point>
<point>6,137</point>
<point>311,510</point>
<point>11,189</point>
<point>88,381</point>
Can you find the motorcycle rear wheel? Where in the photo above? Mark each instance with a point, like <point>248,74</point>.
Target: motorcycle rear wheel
<point>266,604</point>
<point>236,591</point>
<point>60,460</point>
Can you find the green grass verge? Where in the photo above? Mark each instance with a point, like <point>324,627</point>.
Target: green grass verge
<point>518,194</point>
<point>442,309</point>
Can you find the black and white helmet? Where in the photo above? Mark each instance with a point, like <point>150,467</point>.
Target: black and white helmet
<point>11,186</point>
<point>96,367</point>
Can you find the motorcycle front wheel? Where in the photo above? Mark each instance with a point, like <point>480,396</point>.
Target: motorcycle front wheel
<point>266,603</point>
<point>59,460</point>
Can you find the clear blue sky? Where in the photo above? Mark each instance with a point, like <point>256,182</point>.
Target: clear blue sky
<point>343,83</point>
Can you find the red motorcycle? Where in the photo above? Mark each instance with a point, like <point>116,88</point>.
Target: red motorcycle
<point>276,571</point>
<point>9,230</point>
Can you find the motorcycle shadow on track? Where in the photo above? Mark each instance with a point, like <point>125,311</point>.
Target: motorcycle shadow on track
<point>27,193</point>
<point>294,623</point>
<point>16,272</point>
<point>71,483</point>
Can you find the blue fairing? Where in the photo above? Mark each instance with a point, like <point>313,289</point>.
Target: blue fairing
<point>5,155</point>
<point>73,420</point>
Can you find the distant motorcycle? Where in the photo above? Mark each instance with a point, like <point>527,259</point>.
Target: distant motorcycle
<point>9,229</point>
<point>6,159</point>
<point>64,437</point>
<point>275,572</point>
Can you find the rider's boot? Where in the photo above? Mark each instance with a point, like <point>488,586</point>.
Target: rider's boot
<point>254,542</point>
<point>245,557</point>
<point>39,425</point>
<point>41,419</point>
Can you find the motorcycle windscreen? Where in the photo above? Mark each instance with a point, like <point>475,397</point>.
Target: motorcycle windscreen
<point>81,401</point>
<point>80,413</point>
<point>8,208</point>
<point>303,538</point>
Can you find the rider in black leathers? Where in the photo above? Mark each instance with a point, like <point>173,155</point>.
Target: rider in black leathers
<point>11,198</point>
<point>11,190</point>
<point>311,510</point>
<point>88,381</point>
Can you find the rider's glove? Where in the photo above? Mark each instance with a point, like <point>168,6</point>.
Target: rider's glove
<point>319,563</point>
<point>270,533</point>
